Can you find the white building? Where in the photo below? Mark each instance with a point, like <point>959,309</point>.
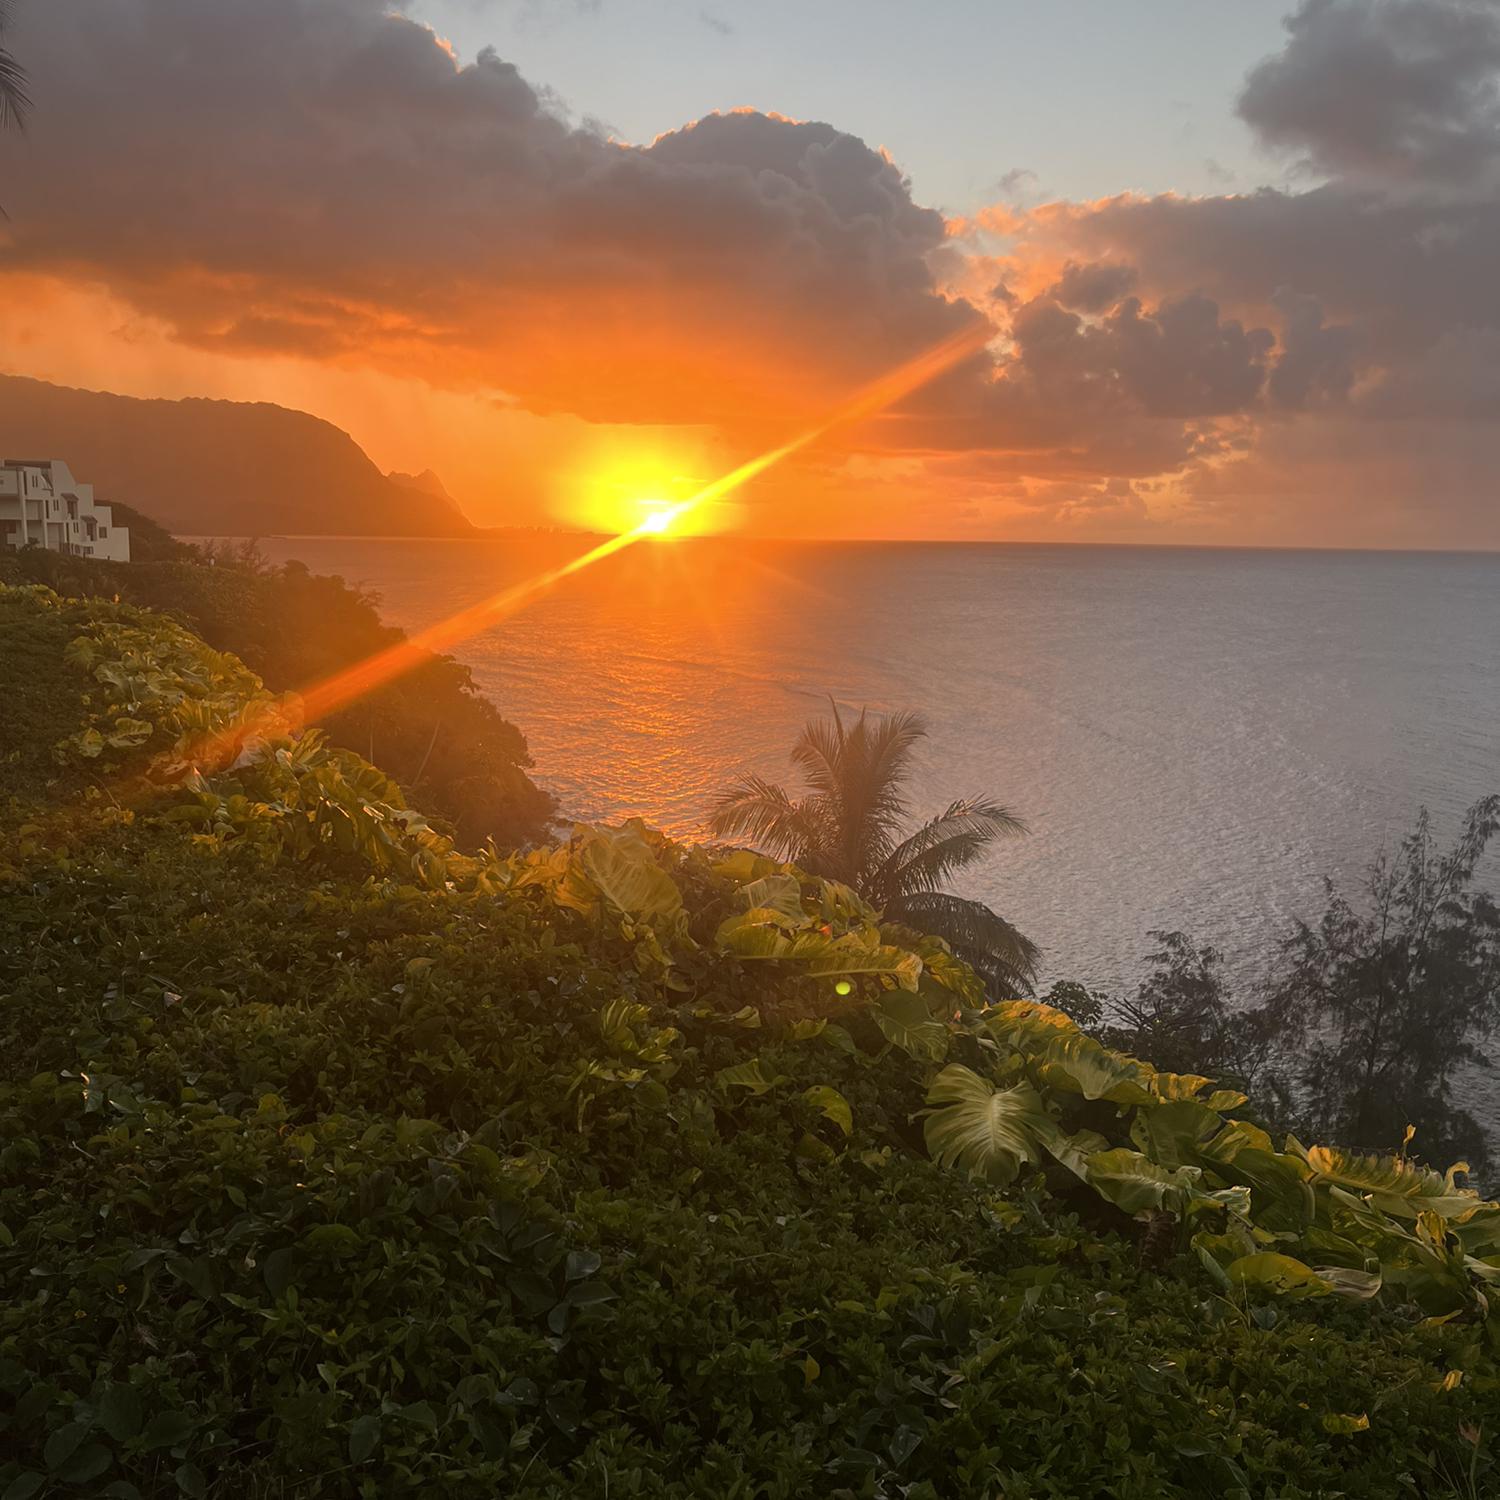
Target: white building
<point>41,503</point>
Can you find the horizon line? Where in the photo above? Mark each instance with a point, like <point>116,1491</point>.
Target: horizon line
<point>496,533</point>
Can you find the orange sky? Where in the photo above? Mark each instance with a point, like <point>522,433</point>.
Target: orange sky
<point>324,207</point>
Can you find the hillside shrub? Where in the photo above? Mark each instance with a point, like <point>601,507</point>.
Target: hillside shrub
<point>458,758</point>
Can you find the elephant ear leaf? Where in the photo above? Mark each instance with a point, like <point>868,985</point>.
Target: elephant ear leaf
<point>1080,1065</point>
<point>906,1022</point>
<point>622,869</point>
<point>1175,1086</point>
<point>1137,1184</point>
<point>759,933</point>
<point>743,866</point>
<point>1283,1274</point>
<point>831,1104</point>
<point>1393,1185</point>
<point>1175,1133</point>
<point>1027,1026</point>
<point>982,1129</point>
<point>780,894</point>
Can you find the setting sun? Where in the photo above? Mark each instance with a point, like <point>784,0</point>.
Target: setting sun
<point>639,490</point>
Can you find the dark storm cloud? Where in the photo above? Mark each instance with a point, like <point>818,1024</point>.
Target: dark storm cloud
<point>1180,359</point>
<point>322,178</point>
<point>1399,89</point>
<point>1398,273</point>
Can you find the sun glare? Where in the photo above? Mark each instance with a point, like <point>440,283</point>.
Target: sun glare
<point>657,517</point>
<point>640,491</point>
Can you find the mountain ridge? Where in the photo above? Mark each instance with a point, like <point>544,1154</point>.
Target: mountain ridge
<point>207,467</point>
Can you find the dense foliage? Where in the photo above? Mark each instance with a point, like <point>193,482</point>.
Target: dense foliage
<point>334,1160</point>
<point>458,758</point>
<point>1367,1015</point>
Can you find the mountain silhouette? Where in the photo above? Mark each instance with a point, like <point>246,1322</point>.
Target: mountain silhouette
<point>221,468</point>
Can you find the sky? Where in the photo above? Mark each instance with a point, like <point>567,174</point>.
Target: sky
<point>1228,265</point>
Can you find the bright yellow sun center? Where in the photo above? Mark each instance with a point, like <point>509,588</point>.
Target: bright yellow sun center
<point>658,517</point>
<point>649,494</point>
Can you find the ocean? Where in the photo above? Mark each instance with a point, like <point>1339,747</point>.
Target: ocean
<point>1196,737</point>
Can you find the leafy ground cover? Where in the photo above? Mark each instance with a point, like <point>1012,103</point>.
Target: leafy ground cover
<point>335,1161</point>
<point>457,757</point>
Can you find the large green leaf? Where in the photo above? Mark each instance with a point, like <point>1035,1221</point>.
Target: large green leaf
<point>1074,1150</point>
<point>781,894</point>
<point>1027,1026</point>
<point>982,1129</point>
<point>1293,1278</point>
<point>1277,1273</point>
<point>620,869</point>
<point>1137,1184</point>
<point>1393,1185</point>
<point>1175,1133</point>
<point>762,934</point>
<point>1282,1193</point>
<point>907,1022</point>
<point>832,1105</point>
<point>744,865</point>
<point>1081,1065</point>
<point>1172,1086</point>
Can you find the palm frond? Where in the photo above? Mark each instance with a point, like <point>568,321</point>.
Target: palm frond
<point>15,102</point>
<point>1005,958</point>
<point>893,741</point>
<point>856,771</point>
<point>847,828</point>
<point>764,813</point>
<point>820,751</point>
<point>948,842</point>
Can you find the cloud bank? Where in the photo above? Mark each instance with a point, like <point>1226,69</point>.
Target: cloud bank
<point>323,179</point>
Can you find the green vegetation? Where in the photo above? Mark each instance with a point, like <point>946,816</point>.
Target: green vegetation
<point>456,756</point>
<point>848,827</point>
<point>336,1161</point>
<point>1366,1015</point>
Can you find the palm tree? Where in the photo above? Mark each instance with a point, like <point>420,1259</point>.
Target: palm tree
<point>14,100</point>
<point>847,826</point>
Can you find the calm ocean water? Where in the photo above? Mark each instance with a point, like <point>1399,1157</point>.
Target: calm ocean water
<point>1195,737</point>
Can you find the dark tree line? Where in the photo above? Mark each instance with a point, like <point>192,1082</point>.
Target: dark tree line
<point>1370,1013</point>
